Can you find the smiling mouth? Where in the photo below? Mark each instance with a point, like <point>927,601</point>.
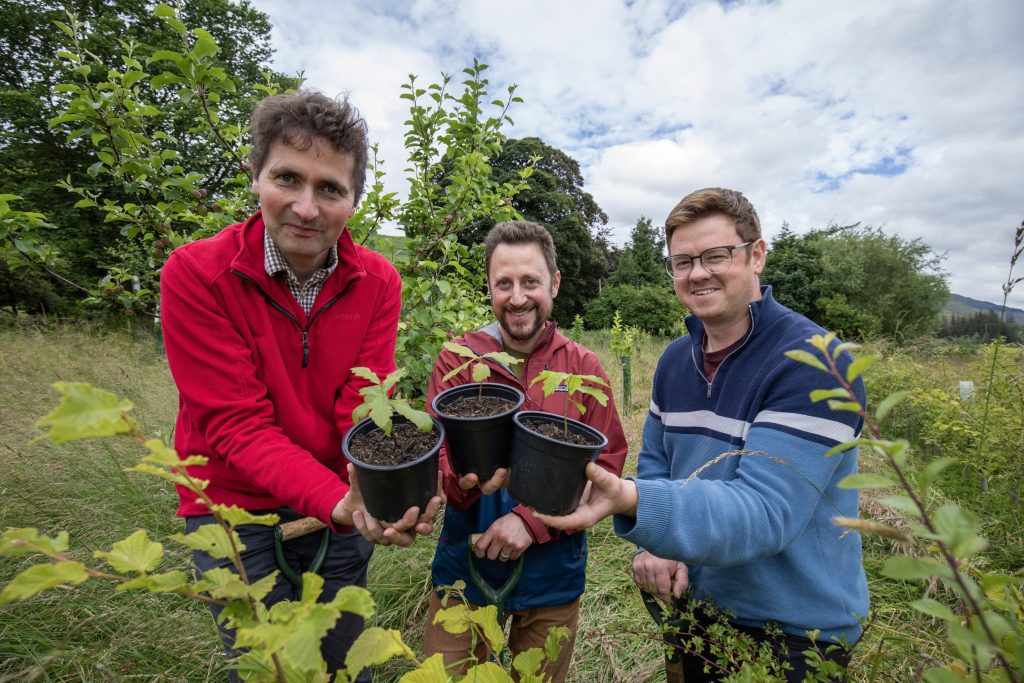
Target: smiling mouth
<point>703,292</point>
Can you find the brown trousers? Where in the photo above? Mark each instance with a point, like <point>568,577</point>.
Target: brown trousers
<point>529,629</point>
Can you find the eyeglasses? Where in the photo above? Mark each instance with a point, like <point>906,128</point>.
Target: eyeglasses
<point>714,260</point>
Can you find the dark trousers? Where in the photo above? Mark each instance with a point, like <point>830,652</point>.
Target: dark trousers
<point>346,562</point>
<point>785,648</point>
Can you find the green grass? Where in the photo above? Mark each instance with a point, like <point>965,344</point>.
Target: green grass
<point>93,633</point>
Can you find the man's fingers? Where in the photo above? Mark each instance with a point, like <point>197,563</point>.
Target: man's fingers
<point>496,481</point>
<point>468,481</point>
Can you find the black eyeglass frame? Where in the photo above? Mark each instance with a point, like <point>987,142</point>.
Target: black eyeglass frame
<point>670,271</point>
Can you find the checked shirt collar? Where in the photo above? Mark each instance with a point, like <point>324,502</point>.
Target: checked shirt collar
<point>304,293</point>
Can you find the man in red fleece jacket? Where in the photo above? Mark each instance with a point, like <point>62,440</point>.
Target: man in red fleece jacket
<point>263,323</point>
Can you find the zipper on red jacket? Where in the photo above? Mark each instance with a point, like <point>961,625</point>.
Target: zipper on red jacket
<point>305,330</point>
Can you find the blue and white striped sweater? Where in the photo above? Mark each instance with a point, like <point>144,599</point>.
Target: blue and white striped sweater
<point>755,528</point>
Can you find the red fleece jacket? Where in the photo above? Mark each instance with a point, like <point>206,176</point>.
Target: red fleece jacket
<point>265,390</point>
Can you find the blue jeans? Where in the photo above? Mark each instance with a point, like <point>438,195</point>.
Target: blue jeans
<point>347,559</point>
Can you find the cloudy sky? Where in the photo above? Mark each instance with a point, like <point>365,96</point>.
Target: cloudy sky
<point>906,115</point>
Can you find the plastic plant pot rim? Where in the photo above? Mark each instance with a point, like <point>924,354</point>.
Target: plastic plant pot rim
<point>438,429</point>
<point>471,388</point>
<point>574,425</point>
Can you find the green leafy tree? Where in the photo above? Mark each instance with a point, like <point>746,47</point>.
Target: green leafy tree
<point>653,309</point>
<point>555,198</point>
<point>641,262</point>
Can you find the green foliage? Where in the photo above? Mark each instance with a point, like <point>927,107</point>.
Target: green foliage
<point>653,309</point>
<point>380,406</point>
<point>450,142</point>
<point>640,263</point>
<point>576,331</point>
<point>984,638</point>
<point>574,384</point>
<point>481,370</point>
<point>858,281</point>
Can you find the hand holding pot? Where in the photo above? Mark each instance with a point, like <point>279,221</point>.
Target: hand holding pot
<point>499,480</point>
<point>658,576</point>
<point>605,495</point>
<point>506,539</point>
<point>403,532</point>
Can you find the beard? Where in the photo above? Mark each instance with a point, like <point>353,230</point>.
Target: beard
<point>523,332</point>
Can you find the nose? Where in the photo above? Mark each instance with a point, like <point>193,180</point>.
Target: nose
<point>703,274</point>
<point>518,297</point>
<point>305,206</point>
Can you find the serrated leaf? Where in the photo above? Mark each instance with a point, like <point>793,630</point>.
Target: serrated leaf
<point>528,662</point>
<point>356,600</point>
<point>807,358</point>
<point>40,577</point>
<point>890,402</point>
<point>179,479</point>
<point>222,583</point>
<point>417,417</point>
<point>212,539</point>
<point>294,634</point>
<point>934,608</point>
<point>865,480</point>
<point>367,374</point>
<point>234,515</point>
<point>557,637</point>
<point>135,553</point>
<point>85,411</point>
<point>431,670</point>
<point>392,379</point>
<point>21,542</point>
<point>168,582</point>
<point>488,672</point>
<point>487,619</point>
<point>903,567</point>
<point>375,646</point>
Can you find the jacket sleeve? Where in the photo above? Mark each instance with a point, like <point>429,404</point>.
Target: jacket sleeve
<point>458,497</point>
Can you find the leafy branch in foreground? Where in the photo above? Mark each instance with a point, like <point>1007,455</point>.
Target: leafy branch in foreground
<point>985,628</point>
<point>276,642</point>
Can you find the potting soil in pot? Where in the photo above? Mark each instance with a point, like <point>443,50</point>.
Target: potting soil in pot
<point>556,431</point>
<point>406,443</point>
<point>477,407</point>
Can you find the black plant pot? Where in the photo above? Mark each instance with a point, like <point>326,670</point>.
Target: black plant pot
<point>389,490</point>
<point>548,474</point>
<point>478,445</point>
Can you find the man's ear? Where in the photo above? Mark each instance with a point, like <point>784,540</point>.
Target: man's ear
<point>555,281</point>
<point>758,252</point>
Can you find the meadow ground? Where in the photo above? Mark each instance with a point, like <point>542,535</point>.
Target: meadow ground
<point>93,633</point>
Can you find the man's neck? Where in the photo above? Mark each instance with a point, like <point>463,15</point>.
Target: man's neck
<point>718,337</point>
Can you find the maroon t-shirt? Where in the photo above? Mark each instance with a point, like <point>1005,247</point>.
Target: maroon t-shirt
<point>712,359</point>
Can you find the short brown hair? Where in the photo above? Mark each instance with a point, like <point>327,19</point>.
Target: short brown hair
<point>711,200</point>
<point>296,118</point>
<point>520,232</point>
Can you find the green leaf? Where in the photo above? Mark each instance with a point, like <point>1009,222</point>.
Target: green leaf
<point>488,672</point>
<point>959,528</point>
<point>356,600</point>
<point>160,454</point>
<point>223,583</point>
<point>367,374</point>
<point>890,402</point>
<point>851,406</point>
<point>481,372</point>
<point>823,394</point>
<point>487,619</point>
<point>211,539</point>
<point>164,79</point>
<point>903,567</point>
<point>40,577</point>
<point>459,350</point>
<point>169,582</point>
<point>205,46</point>
<point>375,646</point>
<point>904,504</point>
<point>934,608</point>
<point>134,554</point>
<point>234,515</point>
<point>21,542</point>
<point>858,366</point>
<point>431,670</point>
<point>941,676</point>
<point>841,447</point>
<point>163,11</point>
<point>529,662</point>
<point>557,637</point>
<point>806,358</point>
<point>596,393</point>
<point>865,481</point>
<point>417,417</point>
<point>131,78</point>
<point>85,411</point>
<point>931,472</point>
<point>845,346</point>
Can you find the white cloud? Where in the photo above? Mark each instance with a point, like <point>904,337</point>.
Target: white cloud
<point>789,101</point>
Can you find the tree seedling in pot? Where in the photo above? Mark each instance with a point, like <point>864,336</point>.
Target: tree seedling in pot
<point>481,371</point>
<point>379,405</point>
<point>574,384</point>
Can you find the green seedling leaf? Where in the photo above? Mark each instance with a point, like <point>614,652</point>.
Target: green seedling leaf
<point>851,406</point>
<point>294,634</point>
<point>367,374</point>
<point>460,350</point>
<point>160,454</point>
<point>134,554</point>
<point>596,393</point>
<point>890,402</point>
<point>480,372</point>
<point>858,366</point>
<point>21,542</point>
<point>903,567</point>
<point>85,411</point>
<point>488,672</point>
<point>179,479</point>
<point>312,587</point>
<point>355,600</point>
<point>375,646</point>
<point>388,383</point>
<point>417,417</point>
<point>865,481</point>
<point>170,582</point>
<point>557,637</point>
<point>40,577</point>
<point>431,670</point>
<point>934,608</point>
<point>528,662</point>
<point>807,358</point>
<point>824,394</point>
<point>234,515</point>
<point>487,619</point>
<point>211,539</point>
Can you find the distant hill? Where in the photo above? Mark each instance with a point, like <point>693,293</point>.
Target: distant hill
<point>964,306</point>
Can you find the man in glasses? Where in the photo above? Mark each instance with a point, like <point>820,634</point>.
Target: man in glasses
<point>734,494</point>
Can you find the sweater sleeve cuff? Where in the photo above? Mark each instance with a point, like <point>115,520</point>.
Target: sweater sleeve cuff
<point>538,532</point>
